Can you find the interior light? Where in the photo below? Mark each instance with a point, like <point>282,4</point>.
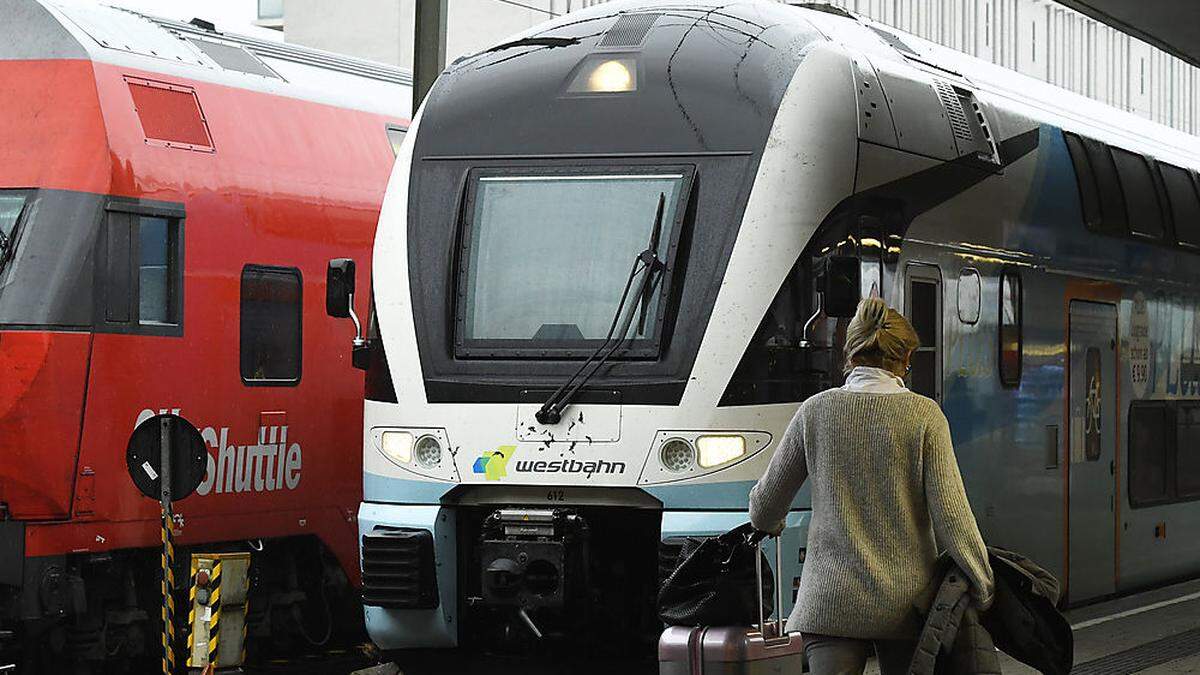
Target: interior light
<point>397,446</point>
<point>717,450</point>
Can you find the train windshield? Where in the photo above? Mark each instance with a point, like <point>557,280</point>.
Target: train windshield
<point>547,257</point>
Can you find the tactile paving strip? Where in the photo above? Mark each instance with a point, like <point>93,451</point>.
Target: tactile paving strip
<point>1143,656</point>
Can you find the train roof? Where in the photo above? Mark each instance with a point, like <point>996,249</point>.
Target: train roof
<point>1021,93</point>
<point>998,86</point>
<point>79,29</point>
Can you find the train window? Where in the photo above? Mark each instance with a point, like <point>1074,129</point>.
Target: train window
<point>1185,207</point>
<point>1089,199</point>
<point>154,271</point>
<point>924,311</point>
<point>1187,450</point>
<point>969,290</point>
<point>1148,439</point>
<point>1112,200</point>
<point>1011,333</point>
<point>562,218</point>
<point>143,281</point>
<point>270,325</point>
<point>395,136</point>
<point>1141,194</point>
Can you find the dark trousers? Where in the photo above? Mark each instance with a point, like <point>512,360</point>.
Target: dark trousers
<point>829,655</point>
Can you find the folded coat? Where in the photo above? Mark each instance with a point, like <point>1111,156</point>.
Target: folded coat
<point>1023,621</point>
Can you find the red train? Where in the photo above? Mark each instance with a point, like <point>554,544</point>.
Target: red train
<point>169,198</point>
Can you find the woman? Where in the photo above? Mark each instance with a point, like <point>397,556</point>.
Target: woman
<point>886,497</point>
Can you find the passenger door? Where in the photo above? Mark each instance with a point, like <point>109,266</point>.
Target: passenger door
<point>923,306</point>
<point>1092,443</point>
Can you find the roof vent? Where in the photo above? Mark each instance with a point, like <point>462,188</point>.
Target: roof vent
<point>630,30</point>
<point>233,57</point>
<point>954,110</point>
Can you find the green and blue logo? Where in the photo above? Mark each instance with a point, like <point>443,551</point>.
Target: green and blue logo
<point>494,465</point>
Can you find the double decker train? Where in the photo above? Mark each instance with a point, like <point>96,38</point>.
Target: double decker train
<point>169,195</point>
<point>594,316</point>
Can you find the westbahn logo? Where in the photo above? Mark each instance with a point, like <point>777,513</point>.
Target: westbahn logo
<point>493,465</point>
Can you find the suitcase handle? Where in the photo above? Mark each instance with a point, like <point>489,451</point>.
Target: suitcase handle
<point>762,619</point>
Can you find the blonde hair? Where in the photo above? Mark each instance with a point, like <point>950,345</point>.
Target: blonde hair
<point>879,336</point>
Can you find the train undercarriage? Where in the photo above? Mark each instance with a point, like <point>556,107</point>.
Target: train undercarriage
<point>101,613</point>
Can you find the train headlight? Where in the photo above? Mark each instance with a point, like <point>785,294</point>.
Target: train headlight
<point>677,455</point>
<point>397,446</point>
<point>428,452</point>
<point>718,450</point>
<point>605,75</point>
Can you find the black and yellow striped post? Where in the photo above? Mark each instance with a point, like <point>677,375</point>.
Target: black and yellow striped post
<point>214,605</point>
<point>168,599</point>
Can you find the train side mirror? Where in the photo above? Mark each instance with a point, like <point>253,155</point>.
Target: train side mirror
<point>841,285</point>
<point>339,287</point>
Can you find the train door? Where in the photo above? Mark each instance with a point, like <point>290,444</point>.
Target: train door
<point>923,306</point>
<point>1092,438</point>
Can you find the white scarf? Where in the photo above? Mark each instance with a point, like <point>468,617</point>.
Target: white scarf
<point>873,381</point>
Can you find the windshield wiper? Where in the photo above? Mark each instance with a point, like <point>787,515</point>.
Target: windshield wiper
<point>646,263</point>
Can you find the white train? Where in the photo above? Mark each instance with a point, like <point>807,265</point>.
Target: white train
<point>745,171</point>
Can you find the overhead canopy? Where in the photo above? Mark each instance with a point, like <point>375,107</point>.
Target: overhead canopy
<point>1170,25</point>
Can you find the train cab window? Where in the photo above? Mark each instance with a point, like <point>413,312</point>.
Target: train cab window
<point>924,305</point>
<point>1089,198</point>
<point>1184,204</point>
<point>561,219</point>
<point>154,271</point>
<point>1011,332</point>
<point>1113,219</point>
<point>270,332</point>
<point>1149,422</point>
<point>1141,194</point>
<point>143,285</point>
<point>1187,450</point>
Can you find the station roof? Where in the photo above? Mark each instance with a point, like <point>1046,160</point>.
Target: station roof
<point>1170,25</point>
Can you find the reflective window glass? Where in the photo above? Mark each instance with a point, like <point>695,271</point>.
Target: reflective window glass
<point>270,325</point>
<point>1187,450</point>
<point>582,234</point>
<point>1185,207</point>
<point>1010,329</point>
<point>968,296</point>
<point>154,271</point>
<point>1141,195</point>
<point>1147,453</point>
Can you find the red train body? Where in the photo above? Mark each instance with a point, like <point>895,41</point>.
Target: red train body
<point>169,198</point>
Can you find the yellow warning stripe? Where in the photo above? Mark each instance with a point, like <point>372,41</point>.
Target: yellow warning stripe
<point>168,602</point>
<point>215,604</point>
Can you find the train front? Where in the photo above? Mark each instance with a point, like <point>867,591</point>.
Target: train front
<point>583,233</point>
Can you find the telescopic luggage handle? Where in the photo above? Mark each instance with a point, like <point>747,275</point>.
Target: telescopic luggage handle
<point>762,618</point>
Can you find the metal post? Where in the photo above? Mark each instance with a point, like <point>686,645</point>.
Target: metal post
<point>168,550</point>
<point>429,47</point>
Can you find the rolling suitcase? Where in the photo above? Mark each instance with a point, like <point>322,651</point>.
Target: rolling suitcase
<point>734,650</point>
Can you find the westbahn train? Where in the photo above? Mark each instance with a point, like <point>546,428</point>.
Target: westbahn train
<point>594,316</point>
<point>169,195</point>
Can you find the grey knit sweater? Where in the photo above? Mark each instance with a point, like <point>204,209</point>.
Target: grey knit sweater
<point>886,496</point>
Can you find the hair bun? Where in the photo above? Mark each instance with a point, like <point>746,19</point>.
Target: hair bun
<point>872,313</point>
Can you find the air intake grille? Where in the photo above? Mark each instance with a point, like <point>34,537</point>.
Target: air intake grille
<point>954,110</point>
<point>629,30</point>
<point>398,569</point>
